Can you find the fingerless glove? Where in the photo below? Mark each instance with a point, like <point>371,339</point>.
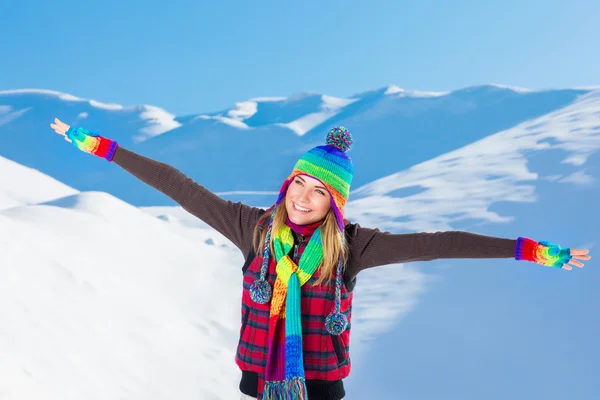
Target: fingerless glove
<point>543,253</point>
<point>92,143</point>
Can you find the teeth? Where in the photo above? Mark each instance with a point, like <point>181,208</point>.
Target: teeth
<point>297,207</point>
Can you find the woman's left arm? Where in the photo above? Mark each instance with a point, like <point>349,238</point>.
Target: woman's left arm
<point>372,247</point>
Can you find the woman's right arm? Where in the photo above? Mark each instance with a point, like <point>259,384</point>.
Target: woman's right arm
<point>235,221</point>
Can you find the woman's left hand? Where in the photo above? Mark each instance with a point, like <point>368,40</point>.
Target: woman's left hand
<point>577,254</point>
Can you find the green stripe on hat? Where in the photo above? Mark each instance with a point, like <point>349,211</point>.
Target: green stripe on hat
<point>333,163</point>
<point>324,174</point>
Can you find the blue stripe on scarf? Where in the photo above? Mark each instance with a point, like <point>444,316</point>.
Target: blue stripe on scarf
<point>294,363</point>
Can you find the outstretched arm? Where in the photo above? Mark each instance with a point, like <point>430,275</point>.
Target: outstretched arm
<point>372,247</point>
<point>235,221</point>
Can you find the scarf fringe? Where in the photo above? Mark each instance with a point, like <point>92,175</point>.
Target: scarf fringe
<point>289,389</point>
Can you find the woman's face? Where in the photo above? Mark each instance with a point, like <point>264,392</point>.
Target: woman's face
<point>307,201</point>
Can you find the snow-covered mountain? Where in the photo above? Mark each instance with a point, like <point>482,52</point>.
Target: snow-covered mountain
<point>109,289</point>
<point>253,145</point>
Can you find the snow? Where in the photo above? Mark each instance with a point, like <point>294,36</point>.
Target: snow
<point>330,107</point>
<point>7,115</point>
<point>393,89</point>
<point>225,120</point>
<point>63,96</point>
<point>158,120</point>
<point>400,92</point>
<point>106,106</point>
<point>474,177</point>
<point>20,185</point>
<point>60,95</point>
<point>578,177</point>
<point>517,89</point>
<point>104,301</point>
<point>308,122</point>
<point>236,116</point>
<point>243,110</point>
<point>267,99</point>
<point>335,103</point>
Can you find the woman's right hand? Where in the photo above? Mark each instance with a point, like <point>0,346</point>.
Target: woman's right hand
<point>61,128</point>
<point>86,141</point>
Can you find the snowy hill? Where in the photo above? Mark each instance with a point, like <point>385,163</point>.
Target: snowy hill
<point>105,299</point>
<point>20,185</point>
<point>112,278</point>
<point>495,168</point>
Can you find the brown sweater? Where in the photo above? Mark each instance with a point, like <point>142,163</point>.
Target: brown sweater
<point>369,247</point>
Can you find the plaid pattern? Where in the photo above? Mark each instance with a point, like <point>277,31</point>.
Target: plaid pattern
<point>326,356</point>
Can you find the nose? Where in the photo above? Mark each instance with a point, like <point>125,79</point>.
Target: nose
<point>304,196</point>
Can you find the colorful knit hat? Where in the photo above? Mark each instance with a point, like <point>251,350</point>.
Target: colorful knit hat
<point>331,166</point>
<point>334,169</point>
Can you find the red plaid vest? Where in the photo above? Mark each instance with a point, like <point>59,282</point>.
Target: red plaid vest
<point>326,356</point>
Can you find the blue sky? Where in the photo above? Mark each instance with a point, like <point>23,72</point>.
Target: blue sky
<point>190,56</point>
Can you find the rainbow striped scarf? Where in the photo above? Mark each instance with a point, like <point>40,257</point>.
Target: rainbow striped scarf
<point>284,375</point>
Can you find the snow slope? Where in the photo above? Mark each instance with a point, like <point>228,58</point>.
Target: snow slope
<point>21,185</point>
<point>472,178</point>
<point>101,300</point>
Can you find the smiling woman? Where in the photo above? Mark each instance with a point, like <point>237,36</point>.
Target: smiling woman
<point>302,261</point>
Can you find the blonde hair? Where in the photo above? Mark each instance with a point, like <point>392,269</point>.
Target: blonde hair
<point>330,236</point>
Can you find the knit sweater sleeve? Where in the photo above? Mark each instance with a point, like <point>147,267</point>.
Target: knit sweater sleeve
<point>372,247</point>
<point>235,221</point>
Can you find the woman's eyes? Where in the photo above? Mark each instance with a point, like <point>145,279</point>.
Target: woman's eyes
<point>318,190</point>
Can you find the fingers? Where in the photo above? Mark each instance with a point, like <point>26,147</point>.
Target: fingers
<point>582,257</point>
<point>58,129</point>
<point>579,252</point>
<point>68,140</point>
<point>576,263</point>
<point>61,124</point>
<point>573,263</point>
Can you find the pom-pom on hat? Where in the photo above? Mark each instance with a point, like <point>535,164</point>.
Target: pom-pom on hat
<point>331,165</point>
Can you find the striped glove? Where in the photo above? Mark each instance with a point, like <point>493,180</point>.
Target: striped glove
<point>543,253</point>
<point>92,143</point>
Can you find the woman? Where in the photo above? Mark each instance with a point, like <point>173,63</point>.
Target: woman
<point>302,259</point>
